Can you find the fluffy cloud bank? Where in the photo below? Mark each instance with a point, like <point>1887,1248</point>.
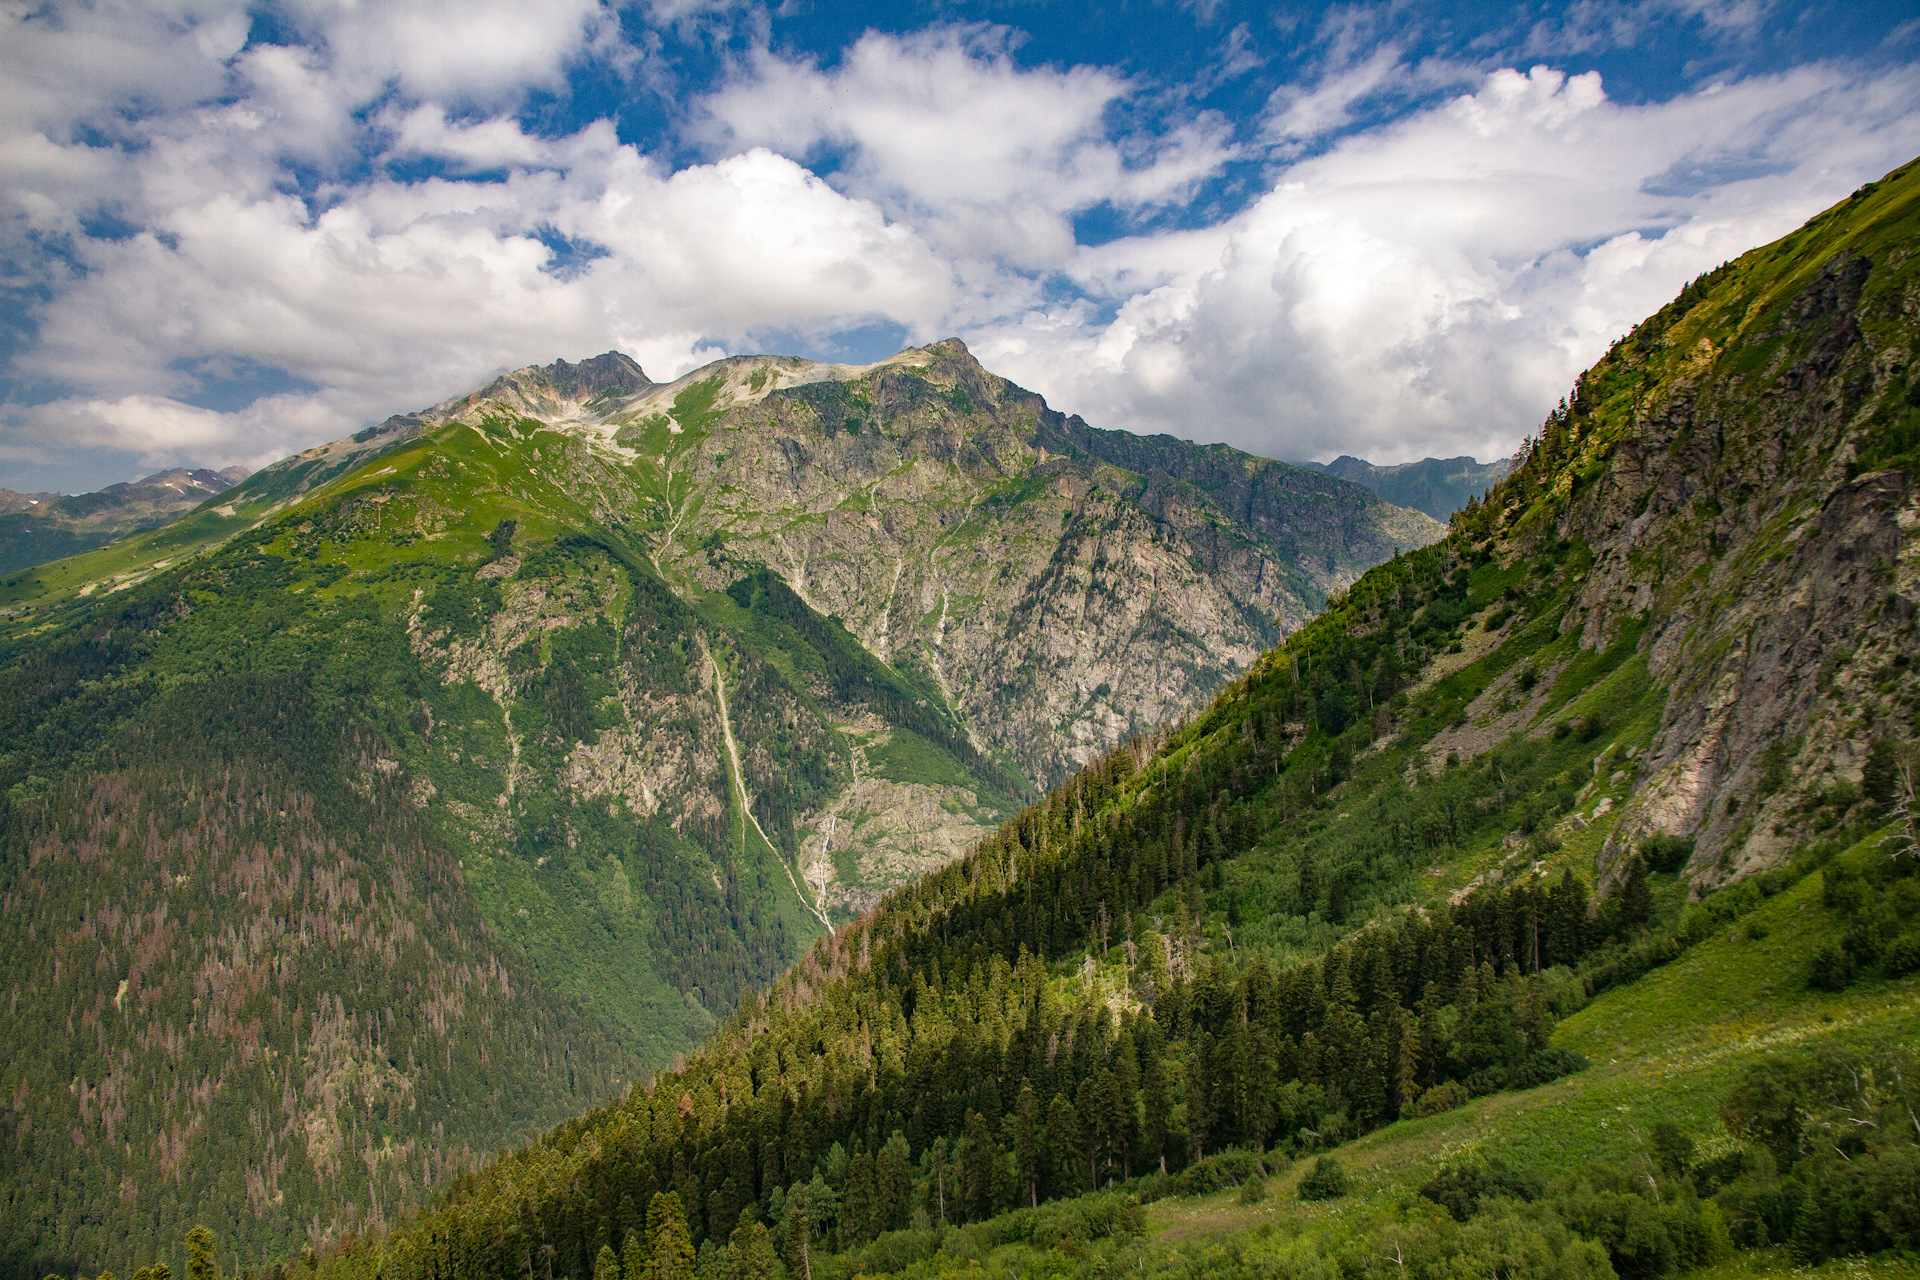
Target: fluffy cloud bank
<point>235,245</point>
<point>1432,287</point>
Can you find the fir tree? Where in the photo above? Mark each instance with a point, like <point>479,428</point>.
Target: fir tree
<point>201,1262</point>
<point>669,1243</point>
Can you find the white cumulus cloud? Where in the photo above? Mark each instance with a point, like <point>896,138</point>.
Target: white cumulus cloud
<point>1431,287</point>
<point>184,210</point>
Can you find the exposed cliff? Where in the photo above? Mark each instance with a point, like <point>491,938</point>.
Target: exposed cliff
<point>1740,466</point>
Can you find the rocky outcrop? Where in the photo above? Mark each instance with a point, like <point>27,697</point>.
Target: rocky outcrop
<point>1736,512</point>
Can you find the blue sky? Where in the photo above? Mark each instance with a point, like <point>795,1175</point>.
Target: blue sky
<point>1394,230</point>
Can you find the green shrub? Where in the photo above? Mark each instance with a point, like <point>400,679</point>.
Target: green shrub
<point>1903,957</point>
<point>1880,774</point>
<point>1831,968</point>
<point>1672,1147</point>
<point>1530,1072</point>
<point>1325,1181</point>
<point>1459,1190</point>
<point>1442,1097</point>
<point>1666,854</point>
<point>1234,1167</point>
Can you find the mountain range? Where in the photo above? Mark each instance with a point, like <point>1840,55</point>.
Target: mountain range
<point>435,783</point>
<point>38,527</point>
<point>1437,486</point>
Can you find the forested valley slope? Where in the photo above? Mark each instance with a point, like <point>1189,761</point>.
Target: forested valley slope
<point>438,783</point>
<point>1546,906</point>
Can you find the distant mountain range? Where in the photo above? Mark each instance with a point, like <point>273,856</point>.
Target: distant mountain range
<point>38,527</point>
<point>1437,486</point>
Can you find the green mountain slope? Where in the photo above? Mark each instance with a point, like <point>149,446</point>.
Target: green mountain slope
<point>431,785</point>
<point>1371,890</point>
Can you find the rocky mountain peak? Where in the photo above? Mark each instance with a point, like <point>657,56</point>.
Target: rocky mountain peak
<point>609,373</point>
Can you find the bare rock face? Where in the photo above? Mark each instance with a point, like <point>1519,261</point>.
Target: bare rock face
<point>1775,571</point>
<point>1063,587</point>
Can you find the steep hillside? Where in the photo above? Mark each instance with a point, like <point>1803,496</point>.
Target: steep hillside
<point>1040,589</point>
<point>38,527</point>
<point>1368,885</point>
<point>1739,471</point>
<point>433,784</point>
<point>1437,486</point>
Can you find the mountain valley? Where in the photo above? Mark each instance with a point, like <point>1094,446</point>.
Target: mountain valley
<point>432,784</point>
<point>1545,906</point>
<point>38,527</point>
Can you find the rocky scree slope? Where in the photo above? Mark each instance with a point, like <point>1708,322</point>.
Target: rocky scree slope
<point>1361,884</point>
<point>435,783</point>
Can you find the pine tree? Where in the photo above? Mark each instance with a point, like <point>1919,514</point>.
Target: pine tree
<point>749,1254</point>
<point>1199,1095</point>
<point>939,1172</point>
<point>201,1262</point>
<point>797,1244</point>
<point>977,1161</point>
<point>893,1185</point>
<point>669,1243</point>
<point>1636,897</point>
<point>1026,1142</point>
<point>1406,1076</point>
<point>605,1265</point>
<point>1126,1102</point>
<point>857,1210</point>
<point>1063,1148</point>
<point>1156,1099</point>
